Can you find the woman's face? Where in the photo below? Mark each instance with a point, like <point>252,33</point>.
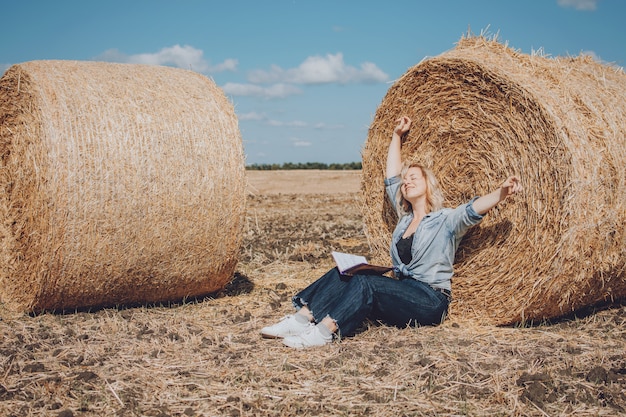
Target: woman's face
<point>413,184</point>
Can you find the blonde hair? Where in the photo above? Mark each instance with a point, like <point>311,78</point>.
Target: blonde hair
<point>434,196</point>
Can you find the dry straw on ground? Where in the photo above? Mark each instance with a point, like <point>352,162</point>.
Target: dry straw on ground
<point>119,184</point>
<point>208,359</point>
<point>483,111</point>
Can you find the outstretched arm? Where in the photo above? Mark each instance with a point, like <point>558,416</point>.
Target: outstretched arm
<point>394,159</point>
<point>485,203</point>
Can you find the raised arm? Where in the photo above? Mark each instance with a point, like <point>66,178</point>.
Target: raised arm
<point>394,158</point>
<point>485,203</point>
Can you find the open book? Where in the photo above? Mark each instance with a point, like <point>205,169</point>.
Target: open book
<point>349,264</point>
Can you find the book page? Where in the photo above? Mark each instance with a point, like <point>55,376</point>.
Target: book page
<point>349,264</point>
<point>346,261</point>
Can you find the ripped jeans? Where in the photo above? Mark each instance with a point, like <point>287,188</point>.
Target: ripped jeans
<point>350,300</point>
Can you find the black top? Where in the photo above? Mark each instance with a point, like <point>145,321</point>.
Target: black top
<point>404,249</point>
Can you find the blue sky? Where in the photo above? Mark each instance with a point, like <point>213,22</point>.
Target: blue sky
<point>305,77</point>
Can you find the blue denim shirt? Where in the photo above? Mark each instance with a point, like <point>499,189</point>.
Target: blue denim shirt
<point>434,243</point>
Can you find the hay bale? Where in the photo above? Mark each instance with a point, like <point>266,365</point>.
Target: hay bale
<point>119,184</point>
<point>483,111</point>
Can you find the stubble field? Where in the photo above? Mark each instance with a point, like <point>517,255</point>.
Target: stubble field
<point>206,358</point>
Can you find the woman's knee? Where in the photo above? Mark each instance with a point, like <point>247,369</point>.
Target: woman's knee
<point>363,282</point>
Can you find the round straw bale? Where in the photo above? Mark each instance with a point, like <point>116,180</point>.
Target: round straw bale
<point>483,111</point>
<point>119,184</point>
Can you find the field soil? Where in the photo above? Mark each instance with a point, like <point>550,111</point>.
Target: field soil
<point>205,357</point>
<point>303,182</point>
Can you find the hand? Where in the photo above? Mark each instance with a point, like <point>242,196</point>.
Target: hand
<point>403,126</point>
<point>511,186</point>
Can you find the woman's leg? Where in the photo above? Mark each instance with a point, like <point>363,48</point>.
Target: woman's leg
<point>311,304</point>
<point>410,303</point>
<point>319,296</point>
<point>398,303</point>
<point>342,303</point>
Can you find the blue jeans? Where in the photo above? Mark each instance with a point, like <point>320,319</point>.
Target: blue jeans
<point>350,300</point>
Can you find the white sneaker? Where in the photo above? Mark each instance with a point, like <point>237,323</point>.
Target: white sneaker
<point>313,336</point>
<point>288,326</point>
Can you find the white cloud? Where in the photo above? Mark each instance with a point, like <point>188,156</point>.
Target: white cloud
<point>299,143</point>
<point>186,57</point>
<point>294,123</point>
<point>597,58</point>
<point>593,55</point>
<point>228,65</point>
<point>324,126</point>
<point>251,116</point>
<point>261,117</point>
<point>274,91</point>
<point>579,4</point>
<point>320,70</point>
<point>4,67</point>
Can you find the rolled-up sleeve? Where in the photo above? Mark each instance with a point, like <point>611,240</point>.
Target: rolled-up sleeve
<point>463,217</point>
<point>392,185</point>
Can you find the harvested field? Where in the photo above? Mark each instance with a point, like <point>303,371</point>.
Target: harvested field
<point>205,357</point>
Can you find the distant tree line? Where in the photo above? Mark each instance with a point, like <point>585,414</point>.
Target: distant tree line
<point>306,165</point>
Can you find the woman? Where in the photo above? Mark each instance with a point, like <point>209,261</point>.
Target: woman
<point>422,250</point>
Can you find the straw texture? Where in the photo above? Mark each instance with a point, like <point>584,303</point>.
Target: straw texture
<point>118,184</point>
<point>483,111</point>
